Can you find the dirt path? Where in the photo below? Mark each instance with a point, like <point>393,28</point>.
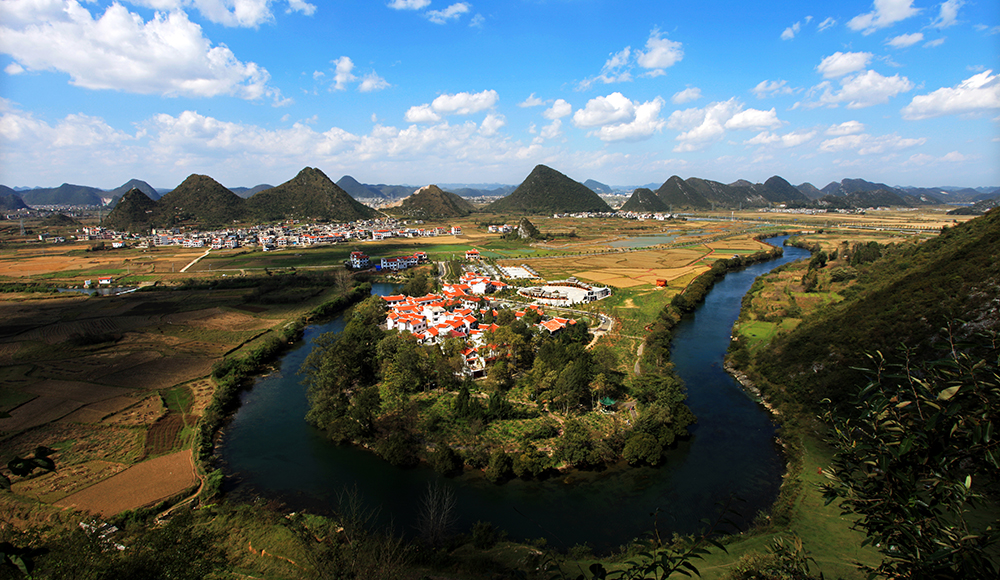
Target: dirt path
<point>638,356</point>
<point>195,261</point>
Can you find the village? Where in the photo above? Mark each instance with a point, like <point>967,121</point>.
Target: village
<point>457,312</point>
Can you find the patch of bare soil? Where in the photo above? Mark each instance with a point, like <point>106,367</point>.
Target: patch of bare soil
<point>162,435</point>
<point>96,412</point>
<point>161,373</point>
<point>202,389</point>
<point>75,390</point>
<point>65,481</point>
<point>38,411</point>
<point>218,319</point>
<point>100,364</point>
<point>141,485</point>
<point>145,412</point>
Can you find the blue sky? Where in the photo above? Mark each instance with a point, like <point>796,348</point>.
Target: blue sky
<point>904,92</point>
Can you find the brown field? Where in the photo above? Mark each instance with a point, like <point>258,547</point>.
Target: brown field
<point>162,435</point>
<point>140,485</point>
<point>161,373</point>
<point>145,412</point>
<point>629,269</point>
<point>218,319</point>
<point>56,485</point>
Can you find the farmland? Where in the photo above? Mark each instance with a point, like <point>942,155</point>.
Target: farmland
<point>116,385</point>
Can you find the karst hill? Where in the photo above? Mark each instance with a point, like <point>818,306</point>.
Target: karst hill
<point>431,201</point>
<point>546,191</point>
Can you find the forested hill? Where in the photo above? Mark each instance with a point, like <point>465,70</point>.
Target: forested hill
<point>927,296</point>
<point>545,190</point>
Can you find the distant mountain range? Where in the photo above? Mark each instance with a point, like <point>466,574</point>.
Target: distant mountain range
<point>203,202</point>
<point>545,190</point>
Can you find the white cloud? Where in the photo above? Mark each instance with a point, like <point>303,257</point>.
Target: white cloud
<point>977,94</point>
<point>552,130</point>
<point>701,127</point>
<point>753,119</point>
<point>863,90</point>
<point>372,82</point>
<point>457,104</point>
<point>477,21</point>
<point>839,64</point>
<point>615,70</point>
<point>645,122</point>
<point>766,89</point>
<point>905,40</point>
<point>167,55</point>
<point>949,14</point>
<point>301,6</point>
<point>788,140</point>
<point>244,13</point>
<point>342,75</point>
<point>408,4</point>
<point>827,23</point>
<point>531,101</point>
<point>492,124</point>
<point>421,114</point>
<point>452,12</point>
<point>790,32</point>
<point>614,108</point>
<point>686,96</point>
<point>865,144</point>
<point>660,53</point>
<point>846,128</point>
<point>885,13</point>
<point>935,42</point>
<point>558,110</point>
<point>465,103</point>
<point>13,69</point>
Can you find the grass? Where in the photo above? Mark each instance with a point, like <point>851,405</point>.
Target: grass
<point>178,400</point>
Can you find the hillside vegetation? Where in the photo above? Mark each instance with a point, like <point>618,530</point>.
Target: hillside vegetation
<point>925,296</point>
<point>310,194</point>
<point>202,201</point>
<point>546,191</point>
<point>432,202</point>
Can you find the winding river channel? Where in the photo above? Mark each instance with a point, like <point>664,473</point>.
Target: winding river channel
<point>268,450</point>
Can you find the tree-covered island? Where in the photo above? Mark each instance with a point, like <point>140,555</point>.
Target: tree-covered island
<point>511,392</point>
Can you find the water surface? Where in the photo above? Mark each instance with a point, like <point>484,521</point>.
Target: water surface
<point>270,451</point>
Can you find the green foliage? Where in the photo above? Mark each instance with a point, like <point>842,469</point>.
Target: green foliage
<point>643,448</point>
<point>915,461</point>
<point>914,294</point>
<point>786,559</point>
<point>547,191</point>
<point>485,535</point>
<point>500,468</point>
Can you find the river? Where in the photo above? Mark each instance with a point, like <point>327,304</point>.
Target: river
<point>268,450</point>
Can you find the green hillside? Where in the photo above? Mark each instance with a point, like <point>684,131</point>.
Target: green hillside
<point>310,195</point>
<point>433,202</point>
<point>200,200</point>
<point>925,296</point>
<point>547,191</point>
<point>134,212</point>
<point>644,200</point>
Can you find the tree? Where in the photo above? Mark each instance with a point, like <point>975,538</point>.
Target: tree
<point>643,448</point>
<point>914,458</point>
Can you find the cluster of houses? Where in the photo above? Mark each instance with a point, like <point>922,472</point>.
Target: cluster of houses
<point>504,229</point>
<point>272,237</point>
<point>453,314</point>
<point>361,261</point>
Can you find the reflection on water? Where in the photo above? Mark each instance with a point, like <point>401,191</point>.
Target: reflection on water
<point>269,450</point>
